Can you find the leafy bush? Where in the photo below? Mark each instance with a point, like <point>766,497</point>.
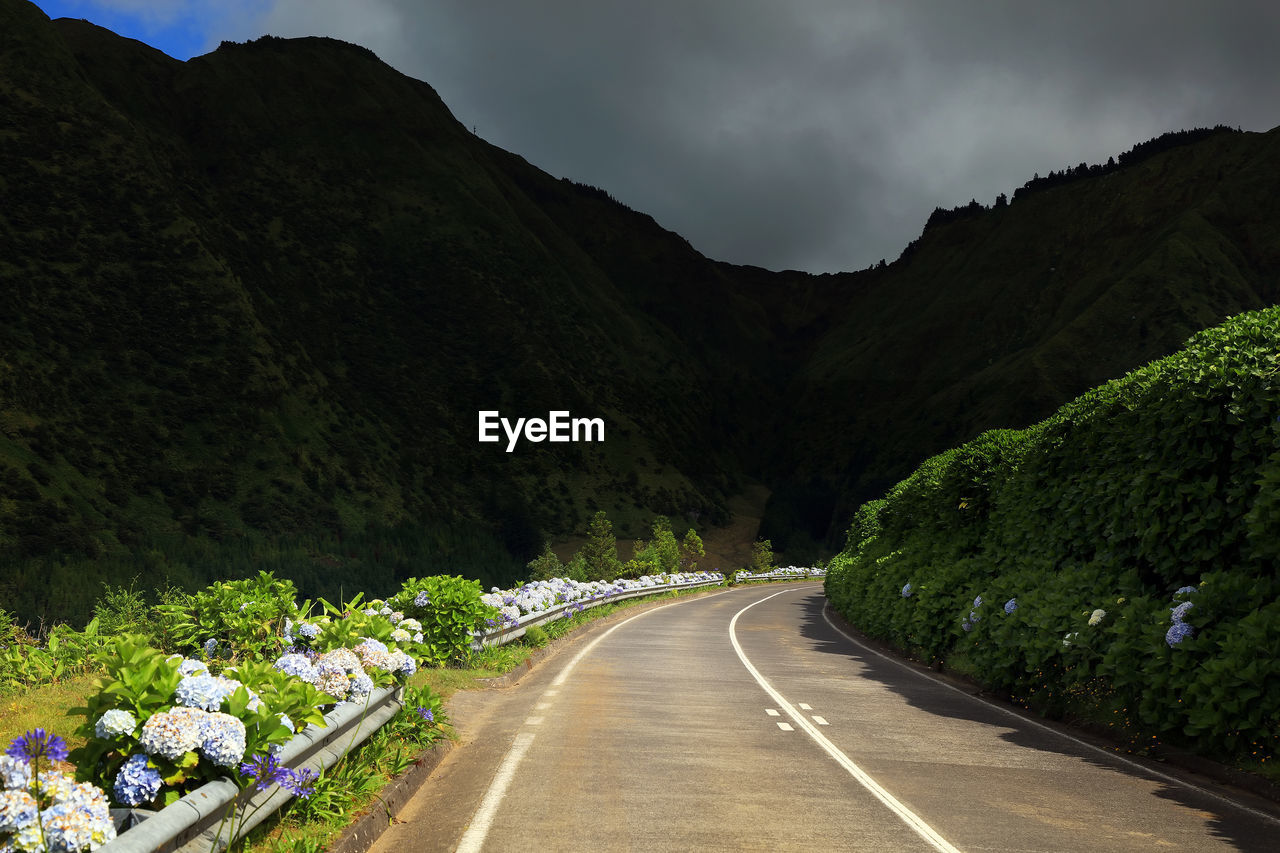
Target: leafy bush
<point>449,611</point>
<point>1047,562</point>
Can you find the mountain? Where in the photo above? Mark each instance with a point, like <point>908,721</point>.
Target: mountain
<point>251,305</point>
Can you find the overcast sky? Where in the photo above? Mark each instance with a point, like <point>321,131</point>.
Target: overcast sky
<point>805,134</point>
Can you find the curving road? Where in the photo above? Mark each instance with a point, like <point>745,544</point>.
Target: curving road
<point>745,720</point>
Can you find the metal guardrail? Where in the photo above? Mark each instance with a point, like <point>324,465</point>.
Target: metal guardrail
<point>504,635</point>
<point>769,577</point>
<point>202,820</point>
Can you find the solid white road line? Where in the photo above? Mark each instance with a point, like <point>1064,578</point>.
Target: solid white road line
<point>905,814</point>
<point>473,839</point>
<point>1112,755</point>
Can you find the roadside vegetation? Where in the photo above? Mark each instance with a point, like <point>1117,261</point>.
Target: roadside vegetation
<point>1113,565</point>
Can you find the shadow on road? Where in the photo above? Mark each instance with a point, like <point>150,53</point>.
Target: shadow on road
<point>1243,830</point>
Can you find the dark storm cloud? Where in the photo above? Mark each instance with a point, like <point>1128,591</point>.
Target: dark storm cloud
<point>816,134</point>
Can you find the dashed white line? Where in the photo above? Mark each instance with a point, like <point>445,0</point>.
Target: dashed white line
<point>786,727</point>
<point>542,706</point>
<point>534,721</point>
<point>819,720</point>
<point>804,707</point>
<point>905,814</point>
<point>771,712</point>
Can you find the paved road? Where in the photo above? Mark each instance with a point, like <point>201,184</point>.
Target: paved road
<point>744,720</point>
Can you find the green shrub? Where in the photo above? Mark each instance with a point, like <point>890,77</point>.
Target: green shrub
<point>1090,527</point>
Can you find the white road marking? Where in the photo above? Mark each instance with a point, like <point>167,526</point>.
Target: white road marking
<point>542,706</point>
<point>534,721</point>
<point>905,814</point>
<point>771,712</point>
<point>804,707</point>
<point>819,720</point>
<point>1112,755</point>
<point>786,727</point>
<point>473,838</point>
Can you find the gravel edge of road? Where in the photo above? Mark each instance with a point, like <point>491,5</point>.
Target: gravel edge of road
<point>1164,756</point>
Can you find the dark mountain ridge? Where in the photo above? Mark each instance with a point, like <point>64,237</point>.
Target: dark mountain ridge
<point>251,304</point>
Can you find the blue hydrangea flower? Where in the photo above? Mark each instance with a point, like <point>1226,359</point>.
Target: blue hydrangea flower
<point>1011,605</point>
<point>906,590</point>
<point>204,691</point>
<point>14,772</point>
<point>1179,613</point>
<point>297,665</point>
<point>977,602</point>
<point>191,666</point>
<point>1178,632</point>
<point>114,723</point>
<point>967,625</point>
<point>210,647</point>
<point>361,685</point>
<point>306,629</point>
<point>222,739</point>
<point>1183,590</point>
<point>136,783</point>
<point>422,599</point>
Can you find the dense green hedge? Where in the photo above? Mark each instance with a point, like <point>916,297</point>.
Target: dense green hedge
<point>1046,561</point>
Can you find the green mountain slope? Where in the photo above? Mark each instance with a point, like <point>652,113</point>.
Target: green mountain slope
<point>251,304</point>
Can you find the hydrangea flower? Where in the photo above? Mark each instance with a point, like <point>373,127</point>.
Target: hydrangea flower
<point>114,723</point>
<point>1184,590</point>
<point>297,665</point>
<point>136,783</point>
<point>1068,638</point>
<point>1097,616</point>
<point>967,625</point>
<point>14,772</point>
<point>361,685</point>
<point>1178,632</point>
<point>332,679</point>
<point>210,647</point>
<point>411,625</point>
<point>18,809</point>
<point>204,691</point>
<point>417,638</point>
<point>906,590</point>
<point>977,602</point>
<point>78,824</point>
<point>191,666</point>
<point>222,739</point>
<point>308,630</point>
<point>171,734</point>
<point>1179,613</point>
<point>422,599</point>
<point>1011,605</point>
<point>400,635</point>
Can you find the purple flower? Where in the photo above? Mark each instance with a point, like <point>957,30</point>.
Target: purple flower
<point>38,744</point>
<point>265,769</point>
<point>300,783</point>
<point>1179,613</point>
<point>1011,605</point>
<point>906,590</point>
<point>425,713</point>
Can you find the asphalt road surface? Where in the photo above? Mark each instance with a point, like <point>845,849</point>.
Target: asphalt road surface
<point>745,720</point>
